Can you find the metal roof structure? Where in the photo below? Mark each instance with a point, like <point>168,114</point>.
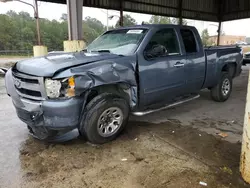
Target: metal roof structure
<point>207,10</point>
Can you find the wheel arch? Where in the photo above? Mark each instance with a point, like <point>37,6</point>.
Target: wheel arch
<point>230,67</point>
<point>121,89</point>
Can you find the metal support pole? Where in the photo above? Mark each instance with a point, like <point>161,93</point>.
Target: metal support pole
<point>219,33</point>
<point>180,21</point>
<point>107,20</point>
<point>75,19</point>
<point>75,42</point>
<point>121,13</point>
<point>180,12</point>
<point>245,151</point>
<point>37,23</point>
<point>220,6</point>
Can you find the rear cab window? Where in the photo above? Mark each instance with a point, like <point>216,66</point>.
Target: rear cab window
<point>189,41</point>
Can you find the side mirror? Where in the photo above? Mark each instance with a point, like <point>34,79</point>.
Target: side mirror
<point>156,51</point>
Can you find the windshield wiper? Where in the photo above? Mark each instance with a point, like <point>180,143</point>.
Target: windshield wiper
<point>101,51</point>
<point>107,51</point>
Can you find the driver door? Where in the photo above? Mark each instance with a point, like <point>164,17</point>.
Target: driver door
<point>162,76</point>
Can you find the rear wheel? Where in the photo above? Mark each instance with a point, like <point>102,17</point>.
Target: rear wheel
<point>222,91</point>
<point>105,117</point>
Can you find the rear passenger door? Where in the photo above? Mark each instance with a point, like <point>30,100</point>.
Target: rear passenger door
<point>162,77</point>
<point>195,67</point>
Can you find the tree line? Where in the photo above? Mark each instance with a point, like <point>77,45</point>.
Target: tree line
<point>18,30</point>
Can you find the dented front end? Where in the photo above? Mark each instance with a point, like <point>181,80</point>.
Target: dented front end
<point>47,119</point>
<point>58,119</point>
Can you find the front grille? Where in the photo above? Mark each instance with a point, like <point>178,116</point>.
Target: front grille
<point>29,92</point>
<point>30,87</point>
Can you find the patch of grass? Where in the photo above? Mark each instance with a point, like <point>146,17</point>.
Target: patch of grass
<point>14,56</point>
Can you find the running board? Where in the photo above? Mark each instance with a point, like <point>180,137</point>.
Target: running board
<point>166,107</point>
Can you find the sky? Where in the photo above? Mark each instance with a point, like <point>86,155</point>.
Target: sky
<point>54,11</point>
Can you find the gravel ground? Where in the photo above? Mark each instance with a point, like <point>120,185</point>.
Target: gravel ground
<point>178,147</point>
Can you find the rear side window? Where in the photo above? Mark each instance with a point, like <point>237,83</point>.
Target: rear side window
<point>189,41</point>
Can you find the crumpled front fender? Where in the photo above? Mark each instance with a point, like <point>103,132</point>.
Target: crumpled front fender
<point>105,72</point>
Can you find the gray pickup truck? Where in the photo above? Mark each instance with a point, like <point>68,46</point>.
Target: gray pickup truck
<point>137,70</point>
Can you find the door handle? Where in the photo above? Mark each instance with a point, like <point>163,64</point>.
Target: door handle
<point>179,64</point>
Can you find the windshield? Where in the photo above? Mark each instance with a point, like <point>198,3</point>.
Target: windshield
<point>120,42</point>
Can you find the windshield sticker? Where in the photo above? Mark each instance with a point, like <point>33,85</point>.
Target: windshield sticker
<point>135,31</point>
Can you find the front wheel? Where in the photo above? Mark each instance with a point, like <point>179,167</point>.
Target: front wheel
<point>105,117</point>
<point>222,91</point>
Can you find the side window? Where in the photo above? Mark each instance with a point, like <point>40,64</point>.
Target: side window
<point>164,42</point>
<point>189,41</point>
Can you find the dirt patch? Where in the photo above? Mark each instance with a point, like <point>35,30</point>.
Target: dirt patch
<point>145,155</point>
<point>221,156</point>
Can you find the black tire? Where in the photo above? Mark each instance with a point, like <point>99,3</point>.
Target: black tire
<point>217,93</point>
<point>93,111</point>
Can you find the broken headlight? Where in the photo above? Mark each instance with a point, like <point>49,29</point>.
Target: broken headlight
<point>60,88</point>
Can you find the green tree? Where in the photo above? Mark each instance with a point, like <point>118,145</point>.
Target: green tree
<point>53,34</point>
<point>205,38</point>
<point>94,24</point>
<point>176,21</point>
<point>6,32</point>
<point>127,21</point>
<point>64,17</point>
<point>12,14</point>
<point>92,28</point>
<point>89,34</point>
<point>165,20</point>
<point>18,31</point>
<point>22,31</point>
<point>159,20</point>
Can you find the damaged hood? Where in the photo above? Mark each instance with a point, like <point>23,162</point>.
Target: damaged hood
<point>47,66</point>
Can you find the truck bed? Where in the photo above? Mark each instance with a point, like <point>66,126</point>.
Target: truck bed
<point>219,56</point>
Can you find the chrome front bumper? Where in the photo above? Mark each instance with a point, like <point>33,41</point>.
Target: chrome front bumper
<point>46,119</point>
